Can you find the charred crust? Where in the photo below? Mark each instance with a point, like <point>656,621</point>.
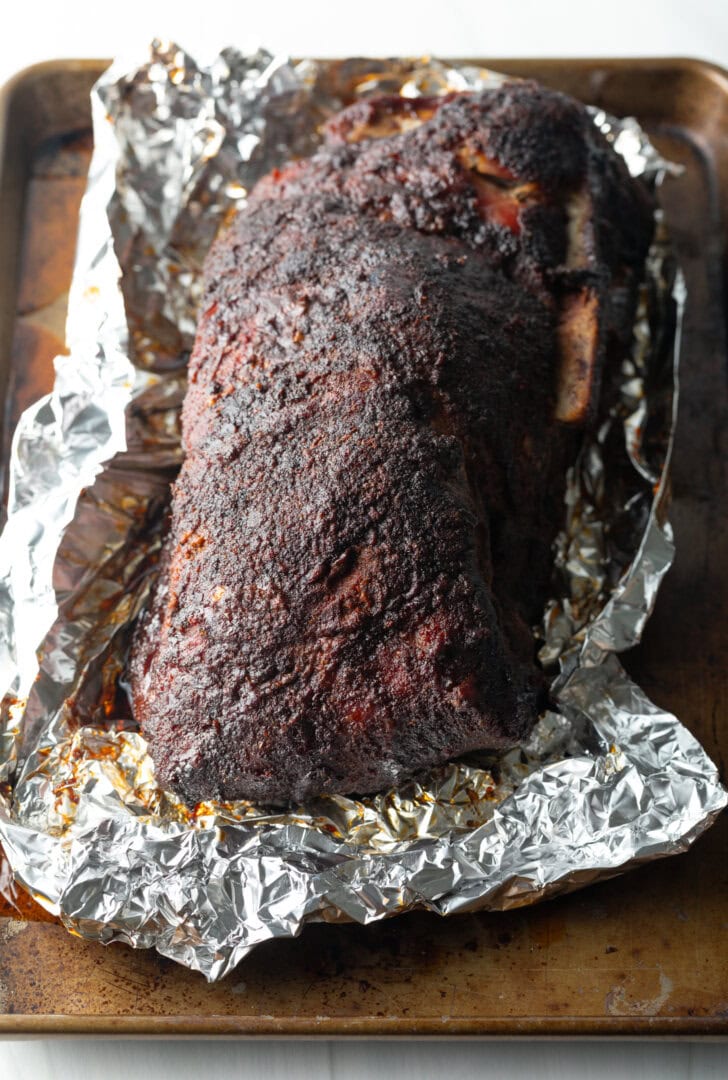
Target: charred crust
<point>361,531</point>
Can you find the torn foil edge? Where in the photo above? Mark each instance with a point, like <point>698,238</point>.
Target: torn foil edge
<point>610,782</point>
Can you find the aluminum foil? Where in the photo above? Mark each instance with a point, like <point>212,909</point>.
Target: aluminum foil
<point>606,782</point>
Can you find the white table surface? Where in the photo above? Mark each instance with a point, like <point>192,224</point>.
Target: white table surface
<point>46,29</point>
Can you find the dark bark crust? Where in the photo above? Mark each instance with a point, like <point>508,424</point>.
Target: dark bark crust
<point>361,532</point>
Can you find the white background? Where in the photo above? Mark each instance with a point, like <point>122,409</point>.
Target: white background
<point>40,29</point>
<point>46,29</point>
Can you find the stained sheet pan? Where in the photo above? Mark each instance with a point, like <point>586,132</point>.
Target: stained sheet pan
<point>637,955</point>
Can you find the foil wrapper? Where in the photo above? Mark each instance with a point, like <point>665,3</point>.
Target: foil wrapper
<point>607,782</point>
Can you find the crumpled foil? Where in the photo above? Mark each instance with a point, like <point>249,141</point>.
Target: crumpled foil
<point>608,781</point>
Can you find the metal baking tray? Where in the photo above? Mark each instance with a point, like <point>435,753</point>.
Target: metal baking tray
<point>646,954</point>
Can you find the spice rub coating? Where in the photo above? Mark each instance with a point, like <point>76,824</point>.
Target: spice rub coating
<point>361,533</point>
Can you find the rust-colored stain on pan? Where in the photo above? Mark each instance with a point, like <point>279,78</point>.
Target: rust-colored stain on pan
<point>643,954</point>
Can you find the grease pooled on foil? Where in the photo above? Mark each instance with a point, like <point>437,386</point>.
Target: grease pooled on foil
<point>607,782</point>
